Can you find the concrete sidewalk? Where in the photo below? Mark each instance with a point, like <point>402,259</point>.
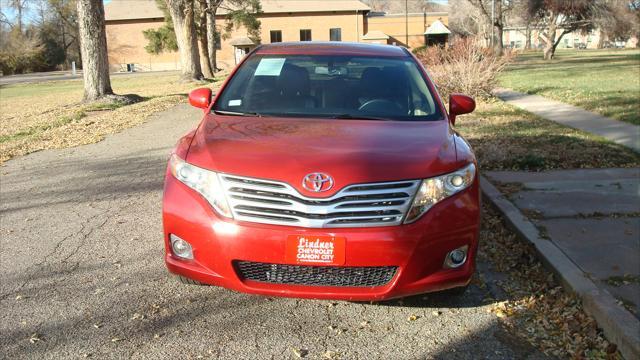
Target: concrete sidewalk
<point>586,226</point>
<point>575,117</point>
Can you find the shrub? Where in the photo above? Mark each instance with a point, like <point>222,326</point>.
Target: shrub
<point>20,54</point>
<point>463,67</point>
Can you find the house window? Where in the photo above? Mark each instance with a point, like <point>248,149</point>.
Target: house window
<point>335,34</point>
<point>276,36</point>
<point>305,35</point>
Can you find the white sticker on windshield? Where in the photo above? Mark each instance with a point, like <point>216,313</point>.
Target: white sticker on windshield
<point>270,67</point>
<point>236,102</point>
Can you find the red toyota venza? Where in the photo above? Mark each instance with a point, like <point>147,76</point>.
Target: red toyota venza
<point>324,170</point>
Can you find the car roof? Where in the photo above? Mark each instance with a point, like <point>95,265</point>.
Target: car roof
<point>331,48</point>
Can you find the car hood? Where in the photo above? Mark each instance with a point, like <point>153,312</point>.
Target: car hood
<point>350,151</point>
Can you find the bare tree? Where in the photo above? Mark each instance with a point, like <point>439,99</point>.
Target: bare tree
<point>615,19</point>
<point>19,6</point>
<point>238,13</point>
<point>495,13</point>
<point>93,45</point>
<point>561,17</point>
<point>182,14</point>
<point>65,16</point>
<point>468,20</point>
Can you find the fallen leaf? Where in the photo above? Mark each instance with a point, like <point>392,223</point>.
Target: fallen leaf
<point>35,337</point>
<point>137,316</point>
<point>329,354</point>
<point>300,353</point>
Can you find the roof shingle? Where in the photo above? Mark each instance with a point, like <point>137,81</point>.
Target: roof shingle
<point>147,9</point>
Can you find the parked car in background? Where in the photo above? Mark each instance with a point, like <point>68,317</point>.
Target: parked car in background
<point>324,170</point>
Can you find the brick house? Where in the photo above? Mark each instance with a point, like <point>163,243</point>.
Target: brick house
<point>281,20</point>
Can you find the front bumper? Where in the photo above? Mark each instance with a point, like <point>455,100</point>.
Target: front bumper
<point>417,249</point>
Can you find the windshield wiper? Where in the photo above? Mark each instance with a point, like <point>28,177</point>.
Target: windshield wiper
<point>236,113</point>
<point>359,117</point>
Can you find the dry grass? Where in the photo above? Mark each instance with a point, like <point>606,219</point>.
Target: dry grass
<point>51,115</point>
<point>506,138</point>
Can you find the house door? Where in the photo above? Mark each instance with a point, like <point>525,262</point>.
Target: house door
<point>240,52</point>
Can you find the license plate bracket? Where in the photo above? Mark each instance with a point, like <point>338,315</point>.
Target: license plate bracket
<point>319,250</point>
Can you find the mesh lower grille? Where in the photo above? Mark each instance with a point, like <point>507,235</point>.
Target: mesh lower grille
<point>315,275</point>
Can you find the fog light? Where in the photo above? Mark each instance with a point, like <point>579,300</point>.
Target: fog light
<point>180,247</point>
<point>456,257</point>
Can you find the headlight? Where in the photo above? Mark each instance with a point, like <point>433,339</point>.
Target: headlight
<point>203,181</point>
<point>438,188</point>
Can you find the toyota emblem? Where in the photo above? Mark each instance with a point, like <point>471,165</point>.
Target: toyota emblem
<point>317,182</point>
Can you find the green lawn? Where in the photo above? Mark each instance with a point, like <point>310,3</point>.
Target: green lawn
<point>603,81</point>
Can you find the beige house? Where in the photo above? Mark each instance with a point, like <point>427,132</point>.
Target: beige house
<point>392,29</point>
<point>281,20</point>
<point>516,37</point>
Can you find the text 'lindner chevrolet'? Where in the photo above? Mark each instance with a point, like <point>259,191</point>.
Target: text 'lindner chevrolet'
<point>324,170</point>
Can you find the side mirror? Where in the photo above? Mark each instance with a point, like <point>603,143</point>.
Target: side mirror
<point>460,104</point>
<point>200,98</point>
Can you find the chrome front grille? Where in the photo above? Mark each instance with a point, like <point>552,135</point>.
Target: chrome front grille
<point>272,202</point>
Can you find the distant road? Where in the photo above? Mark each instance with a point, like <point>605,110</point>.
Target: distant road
<point>61,75</point>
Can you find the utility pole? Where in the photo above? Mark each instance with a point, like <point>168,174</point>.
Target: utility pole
<point>406,22</point>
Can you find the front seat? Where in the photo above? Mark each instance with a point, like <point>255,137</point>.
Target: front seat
<point>372,85</point>
<point>294,88</point>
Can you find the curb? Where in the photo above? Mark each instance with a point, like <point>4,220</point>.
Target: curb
<point>618,325</point>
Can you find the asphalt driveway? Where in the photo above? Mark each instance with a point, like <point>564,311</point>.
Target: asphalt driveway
<point>82,276</point>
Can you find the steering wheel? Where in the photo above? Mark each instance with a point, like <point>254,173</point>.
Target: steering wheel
<point>383,106</point>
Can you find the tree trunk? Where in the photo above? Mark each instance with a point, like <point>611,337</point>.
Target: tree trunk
<point>601,38</point>
<point>498,46</point>
<point>527,43</point>
<point>212,6</point>
<point>185,28</point>
<point>64,43</point>
<point>550,39</point>
<point>204,57</point>
<point>93,47</point>
<point>18,6</point>
<point>203,47</point>
<point>549,51</point>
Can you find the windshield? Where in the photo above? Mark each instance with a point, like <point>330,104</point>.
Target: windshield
<point>345,87</point>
